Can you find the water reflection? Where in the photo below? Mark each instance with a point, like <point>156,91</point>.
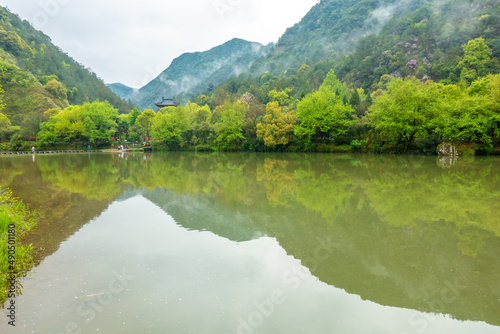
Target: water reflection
<point>406,232</point>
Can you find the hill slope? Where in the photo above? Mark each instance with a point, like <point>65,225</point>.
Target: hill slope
<point>39,76</point>
<point>365,40</point>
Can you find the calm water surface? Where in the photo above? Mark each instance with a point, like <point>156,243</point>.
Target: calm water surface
<point>249,243</point>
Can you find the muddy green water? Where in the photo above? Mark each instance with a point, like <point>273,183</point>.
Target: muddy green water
<point>252,243</point>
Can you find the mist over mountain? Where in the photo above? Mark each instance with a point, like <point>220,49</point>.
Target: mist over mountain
<point>123,91</point>
<point>192,73</point>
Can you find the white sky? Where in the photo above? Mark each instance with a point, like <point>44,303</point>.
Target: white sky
<point>132,41</point>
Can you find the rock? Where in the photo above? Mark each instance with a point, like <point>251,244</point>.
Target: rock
<point>447,149</point>
<point>457,149</point>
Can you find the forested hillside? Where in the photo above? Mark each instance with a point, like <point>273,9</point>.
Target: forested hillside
<point>37,76</point>
<point>364,41</point>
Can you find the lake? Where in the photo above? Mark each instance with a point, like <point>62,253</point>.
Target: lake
<point>259,243</point>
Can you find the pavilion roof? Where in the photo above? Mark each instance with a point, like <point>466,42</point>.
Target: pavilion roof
<point>166,103</point>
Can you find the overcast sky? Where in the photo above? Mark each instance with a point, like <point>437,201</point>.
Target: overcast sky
<point>132,41</point>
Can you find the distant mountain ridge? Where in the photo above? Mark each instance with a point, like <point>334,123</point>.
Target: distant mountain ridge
<point>192,73</point>
<point>123,91</point>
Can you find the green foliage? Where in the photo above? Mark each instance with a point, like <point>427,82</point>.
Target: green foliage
<point>405,111</point>
<point>230,123</point>
<point>323,115</point>
<point>145,120</point>
<point>474,115</point>
<point>57,89</point>
<point>100,121</point>
<point>93,122</point>
<point>36,56</point>
<point>475,60</point>
<point>6,128</point>
<point>16,220</point>
<point>13,43</point>
<point>170,126</point>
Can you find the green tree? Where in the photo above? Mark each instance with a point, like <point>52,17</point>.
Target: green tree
<point>100,121</point>
<point>134,113</point>
<point>474,63</point>
<point>473,114</point>
<point>323,115</point>
<point>145,120</point>
<point>67,125</point>
<point>281,97</point>
<point>6,128</point>
<point>406,110</point>
<point>230,124</point>
<point>169,127</point>
<point>200,125</point>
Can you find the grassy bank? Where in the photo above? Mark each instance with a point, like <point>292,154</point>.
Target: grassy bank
<point>16,220</point>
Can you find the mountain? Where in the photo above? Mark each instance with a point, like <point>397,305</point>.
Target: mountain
<point>192,73</point>
<point>123,91</point>
<point>38,76</point>
<point>367,42</point>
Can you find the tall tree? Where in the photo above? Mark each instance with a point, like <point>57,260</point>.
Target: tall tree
<point>100,121</point>
<point>323,115</point>
<point>145,120</point>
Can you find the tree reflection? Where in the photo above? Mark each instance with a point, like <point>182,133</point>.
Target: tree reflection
<point>398,230</point>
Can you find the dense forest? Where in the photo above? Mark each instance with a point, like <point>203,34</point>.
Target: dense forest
<point>370,76</point>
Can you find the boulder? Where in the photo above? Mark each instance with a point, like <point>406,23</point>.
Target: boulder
<point>447,149</point>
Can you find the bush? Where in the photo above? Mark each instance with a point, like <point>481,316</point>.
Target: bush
<point>16,220</point>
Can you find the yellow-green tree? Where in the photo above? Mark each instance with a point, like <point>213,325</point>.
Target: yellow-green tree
<point>57,89</point>
<point>67,125</point>
<point>6,128</point>
<point>277,127</point>
<point>472,114</point>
